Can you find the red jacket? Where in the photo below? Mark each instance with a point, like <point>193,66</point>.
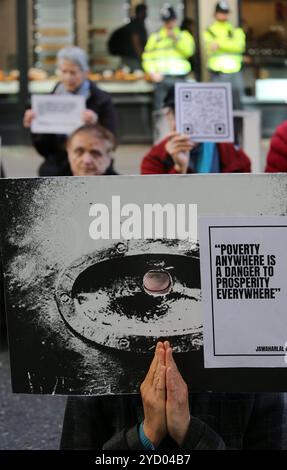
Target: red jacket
<point>157,161</point>
<point>277,155</point>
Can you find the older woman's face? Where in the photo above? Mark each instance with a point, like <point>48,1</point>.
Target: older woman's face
<point>71,75</point>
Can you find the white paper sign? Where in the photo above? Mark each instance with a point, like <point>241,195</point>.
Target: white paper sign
<point>244,289</point>
<point>57,114</point>
<point>204,111</point>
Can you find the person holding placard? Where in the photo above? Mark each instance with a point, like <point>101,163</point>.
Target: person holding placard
<point>167,417</point>
<point>177,153</point>
<point>73,66</point>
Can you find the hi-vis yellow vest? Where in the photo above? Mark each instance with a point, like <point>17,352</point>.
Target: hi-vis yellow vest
<point>232,43</point>
<point>166,55</point>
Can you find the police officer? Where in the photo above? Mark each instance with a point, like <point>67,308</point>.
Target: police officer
<point>167,53</point>
<point>225,46</point>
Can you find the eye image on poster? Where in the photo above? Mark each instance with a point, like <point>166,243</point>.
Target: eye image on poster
<point>98,269</point>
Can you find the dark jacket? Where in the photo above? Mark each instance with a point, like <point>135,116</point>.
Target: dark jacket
<point>219,421</point>
<point>157,161</point>
<point>277,155</point>
<point>53,147</point>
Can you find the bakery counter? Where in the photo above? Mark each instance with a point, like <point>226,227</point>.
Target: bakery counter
<point>46,86</point>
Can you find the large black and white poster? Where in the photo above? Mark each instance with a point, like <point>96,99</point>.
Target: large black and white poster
<point>98,269</point>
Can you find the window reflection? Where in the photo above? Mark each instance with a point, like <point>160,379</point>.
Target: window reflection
<point>9,73</point>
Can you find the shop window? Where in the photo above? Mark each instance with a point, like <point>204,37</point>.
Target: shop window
<point>53,28</point>
<point>265,26</point>
<point>105,17</point>
<point>9,73</point>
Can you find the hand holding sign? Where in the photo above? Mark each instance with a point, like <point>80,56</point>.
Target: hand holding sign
<point>28,118</point>
<point>90,117</point>
<point>57,114</point>
<point>178,147</point>
<point>204,111</point>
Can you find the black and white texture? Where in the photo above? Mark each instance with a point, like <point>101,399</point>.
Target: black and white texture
<point>82,317</point>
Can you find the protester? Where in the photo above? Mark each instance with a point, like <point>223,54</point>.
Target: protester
<point>178,154</point>
<point>73,66</point>
<point>167,417</point>
<point>277,155</point>
<point>90,151</point>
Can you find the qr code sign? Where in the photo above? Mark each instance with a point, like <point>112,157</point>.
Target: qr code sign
<point>186,96</point>
<point>204,112</point>
<point>220,129</point>
<point>188,129</point>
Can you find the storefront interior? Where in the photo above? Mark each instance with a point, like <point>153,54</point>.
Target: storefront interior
<point>32,32</point>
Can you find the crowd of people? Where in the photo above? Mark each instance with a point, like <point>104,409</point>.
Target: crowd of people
<point>165,415</point>
<point>174,154</point>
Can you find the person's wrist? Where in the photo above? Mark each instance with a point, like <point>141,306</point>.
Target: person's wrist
<point>152,436</point>
<point>146,442</point>
<point>180,169</point>
<point>181,433</point>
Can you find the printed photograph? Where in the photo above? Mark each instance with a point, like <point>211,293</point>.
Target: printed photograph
<point>84,315</point>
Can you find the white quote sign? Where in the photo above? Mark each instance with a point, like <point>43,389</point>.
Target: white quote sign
<point>204,111</point>
<point>244,289</point>
<point>57,114</point>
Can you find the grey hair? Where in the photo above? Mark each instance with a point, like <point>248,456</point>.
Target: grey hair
<point>74,54</point>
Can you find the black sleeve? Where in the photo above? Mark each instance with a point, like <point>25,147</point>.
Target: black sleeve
<point>97,423</point>
<point>50,145</point>
<point>101,103</point>
<point>267,428</point>
<point>107,116</point>
<point>262,425</point>
<point>202,437</point>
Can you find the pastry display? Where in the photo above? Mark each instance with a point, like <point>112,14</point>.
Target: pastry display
<point>37,74</point>
<point>9,76</point>
<point>121,75</point>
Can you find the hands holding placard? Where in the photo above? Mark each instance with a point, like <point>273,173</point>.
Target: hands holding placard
<point>88,117</point>
<point>165,398</point>
<point>178,147</point>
